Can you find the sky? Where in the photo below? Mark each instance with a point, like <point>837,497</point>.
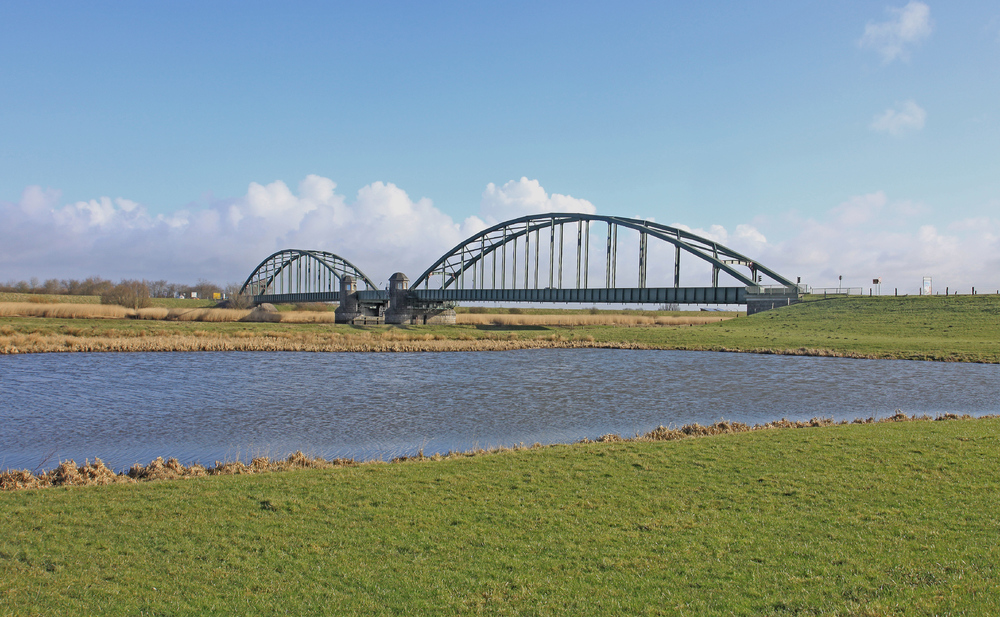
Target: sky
<point>190,140</point>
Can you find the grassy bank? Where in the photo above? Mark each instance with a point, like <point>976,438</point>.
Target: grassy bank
<point>955,328</point>
<point>873,519</point>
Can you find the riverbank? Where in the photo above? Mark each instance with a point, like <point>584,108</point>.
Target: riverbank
<point>953,328</point>
<point>852,519</point>
<point>95,473</point>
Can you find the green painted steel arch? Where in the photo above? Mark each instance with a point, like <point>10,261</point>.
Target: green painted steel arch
<point>267,272</point>
<point>468,253</point>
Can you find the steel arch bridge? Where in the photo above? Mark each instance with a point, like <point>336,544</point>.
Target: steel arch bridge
<point>296,275</point>
<point>486,266</point>
<point>555,257</point>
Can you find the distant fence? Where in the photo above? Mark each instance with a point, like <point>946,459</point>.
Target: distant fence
<point>837,291</point>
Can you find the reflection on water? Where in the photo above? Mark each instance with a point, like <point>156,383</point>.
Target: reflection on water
<point>203,407</point>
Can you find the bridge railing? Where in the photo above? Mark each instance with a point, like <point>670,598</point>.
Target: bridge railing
<point>777,290</point>
<point>837,291</point>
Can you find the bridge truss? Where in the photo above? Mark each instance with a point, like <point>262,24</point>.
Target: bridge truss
<point>548,258</point>
<point>296,275</point>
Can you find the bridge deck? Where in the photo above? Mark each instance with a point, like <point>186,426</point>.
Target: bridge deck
<point>621,295</point>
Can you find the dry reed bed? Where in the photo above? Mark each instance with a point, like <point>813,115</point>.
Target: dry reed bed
<point>64,311</point>
<point>96,473</point>
<point>586,320</point>
<point>97,311</point>
<point>388,341</point>
<point>192,314</point>
<point>109,311</point>
<point>14,343</point>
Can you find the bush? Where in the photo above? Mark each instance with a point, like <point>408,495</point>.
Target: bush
<point>236,300</point>
<point>130,294</point>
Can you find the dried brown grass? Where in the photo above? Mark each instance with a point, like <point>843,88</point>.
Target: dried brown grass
<point>12,342</point>
<point>215,315</point>
<point>307,317</point>
<point>64,311</point>
<point>220,315</point>
<point>96,473</point>
<point>587,320</point>
<point>110,311</point>
<point>665,433</point>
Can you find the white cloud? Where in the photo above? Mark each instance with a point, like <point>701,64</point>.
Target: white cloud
<point>382,230</point>
<point>905,27</point>
<point>522,197</point>
<point>859,209</point>
<point>870,236</point>
<point>906,117</point>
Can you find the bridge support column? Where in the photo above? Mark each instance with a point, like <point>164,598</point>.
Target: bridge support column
<point>405,309</point>
<point>347,311</point>
<point>352,310</point>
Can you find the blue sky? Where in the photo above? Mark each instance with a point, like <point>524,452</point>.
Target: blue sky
<point>858,138</point>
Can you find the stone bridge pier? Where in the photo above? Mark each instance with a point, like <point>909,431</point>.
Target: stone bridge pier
<point>406,309</point>
<point>397,306</point>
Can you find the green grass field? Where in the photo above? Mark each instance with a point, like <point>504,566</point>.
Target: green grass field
<point>874,519</point>
<point>954,328</point>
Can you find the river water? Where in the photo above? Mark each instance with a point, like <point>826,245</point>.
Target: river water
<point>203,407</point>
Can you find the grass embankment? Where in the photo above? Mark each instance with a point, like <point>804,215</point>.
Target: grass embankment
<point>98,474</point>
<point>955,328</point>
<point>584,319</point>
<point>874,519</point>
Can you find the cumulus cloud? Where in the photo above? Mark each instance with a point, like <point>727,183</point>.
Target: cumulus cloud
<point>382,229</point>
<point>871,235</point>
<point>859,209</point>
<point>905,118</point>
<point>522,197</point>
<point>906,27</point>
<point>863,237</point>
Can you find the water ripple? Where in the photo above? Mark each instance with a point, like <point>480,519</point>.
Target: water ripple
<point>203,407</point>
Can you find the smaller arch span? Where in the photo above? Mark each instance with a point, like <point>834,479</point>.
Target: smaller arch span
<point>300,275</point>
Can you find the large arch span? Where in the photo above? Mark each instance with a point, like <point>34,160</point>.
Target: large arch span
<point>551,257</point>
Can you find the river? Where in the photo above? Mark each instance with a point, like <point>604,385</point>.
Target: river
<point>204,407</point>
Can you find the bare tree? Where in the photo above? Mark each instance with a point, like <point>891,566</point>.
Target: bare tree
<point>236,299</point>
<point>53,286</point>
<point>93,286</point>
<point>159,289</point>
<point>129,293</point>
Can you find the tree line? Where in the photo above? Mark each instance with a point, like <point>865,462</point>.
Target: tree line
<point>96,286</point>
<point>132,293</point>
